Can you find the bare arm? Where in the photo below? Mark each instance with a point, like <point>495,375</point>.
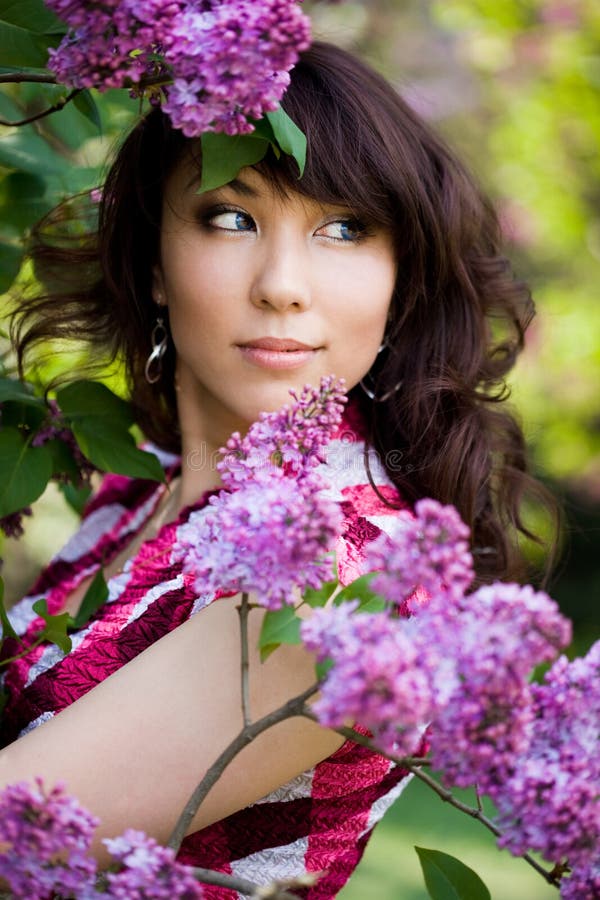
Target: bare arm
<point>133,749</point>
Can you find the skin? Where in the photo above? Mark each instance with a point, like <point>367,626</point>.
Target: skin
<point>236,264</point>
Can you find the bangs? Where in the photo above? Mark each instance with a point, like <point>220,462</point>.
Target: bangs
<point>343,159</point>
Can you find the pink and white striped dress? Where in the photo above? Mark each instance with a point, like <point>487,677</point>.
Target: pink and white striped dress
<point>323,818</point>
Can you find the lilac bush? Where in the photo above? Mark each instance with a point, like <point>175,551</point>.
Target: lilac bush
<point>219,62</point>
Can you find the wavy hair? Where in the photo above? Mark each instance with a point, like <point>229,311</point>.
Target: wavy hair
<point>457,318</point>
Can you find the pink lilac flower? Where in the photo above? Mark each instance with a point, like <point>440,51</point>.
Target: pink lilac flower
<point>44,842</point>
<point>54,429</point>
<point>384,675</point>
<point>496,636</point>
<point>271,539</point>
<point>582,884</point>
<point>237,55</point>
<point>430,551</point>
<point>551,802</point>
<point>290,440</point>
<point>109,41</point>
<point>270,532</point>
<point>149,871</point>
<point>228,60</point>
<point>463,669</point>
<point>12,524</point>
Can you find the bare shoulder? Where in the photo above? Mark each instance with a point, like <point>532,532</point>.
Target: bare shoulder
<point>133,748</point>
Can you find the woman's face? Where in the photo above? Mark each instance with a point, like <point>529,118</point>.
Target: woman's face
<point>265,293</point>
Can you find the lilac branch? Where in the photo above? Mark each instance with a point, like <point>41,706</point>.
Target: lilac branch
<point>243,610</point>
<point>272,891</point>
<point>293,707</point>
<point>413,765</point>
<point>46,112</point>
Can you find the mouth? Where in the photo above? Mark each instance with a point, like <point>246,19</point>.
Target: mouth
<point>280,345</point>
<point>277,353</point>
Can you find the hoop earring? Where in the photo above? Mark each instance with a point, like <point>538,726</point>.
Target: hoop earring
<point>370,392</point>
<point>160,340</point>
<point>369,389</point>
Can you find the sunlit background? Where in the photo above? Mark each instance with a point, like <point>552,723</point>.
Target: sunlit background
<point>515,88</point>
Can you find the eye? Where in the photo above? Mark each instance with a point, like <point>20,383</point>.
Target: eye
<point>229,220</point>
<point>344,230</point>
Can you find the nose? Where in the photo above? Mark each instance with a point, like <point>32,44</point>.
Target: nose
<point>282,277</point>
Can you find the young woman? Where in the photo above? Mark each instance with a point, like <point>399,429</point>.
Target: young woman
<point>380,265</point>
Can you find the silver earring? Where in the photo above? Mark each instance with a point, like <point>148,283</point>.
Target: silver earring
<point>160,339</point>
<point>369,389</point>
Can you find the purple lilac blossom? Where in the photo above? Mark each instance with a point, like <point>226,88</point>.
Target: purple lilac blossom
<point>231,63</point>
<point>551,802</point>
<point>54,429</point>
<point>382,677</point>
<point>271,539</point>
<point>149,871</point>
<point>290,440</point>
<point>45,837</point>
<point>12,524</point>
<point>431,551</point>
<point>228,60</point>
<point>271,530</point>
<point>461,668</point>
<point>496,636</point>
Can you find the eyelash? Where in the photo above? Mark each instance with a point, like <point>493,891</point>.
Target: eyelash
<point>361,231</point>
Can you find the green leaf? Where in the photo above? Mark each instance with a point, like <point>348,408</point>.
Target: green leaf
<point>321,596</point>
<point>281,626</point>
<point>21,200</point>
<point>31,15</point>
<point>113,449</point>
<point>447,878</point>
<point>55,629</point>
<point>91,399</point>
<point>224,155</point>
<point>76,497</point>
<point>88,107</point>
<point>21,47</point>
<point>95,597</point>
<point>63,462</point>
<point>322,668</point>
<point>7,629</point>
<point>25,150</point>
<point>25,471</point>
<point>289,137</point>
<point>11,257</point>
<point>14,389</point>
<point>360,590</point>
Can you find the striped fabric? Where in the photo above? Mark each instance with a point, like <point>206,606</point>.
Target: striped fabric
<point>319,821</point>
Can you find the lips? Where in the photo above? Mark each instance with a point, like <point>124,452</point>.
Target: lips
<point>281,345</point>
<point>277,353</point>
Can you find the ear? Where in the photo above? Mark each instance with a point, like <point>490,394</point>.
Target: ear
<point>158,286</point>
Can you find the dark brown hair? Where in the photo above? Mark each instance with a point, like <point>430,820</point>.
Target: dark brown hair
<point>457,318</point>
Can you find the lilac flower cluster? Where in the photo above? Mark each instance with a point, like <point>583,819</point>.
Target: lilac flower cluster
<point>551,801</point>
<point>54,429</point>
<point>382,677</point>
<point>148,870</point>
<point>44,842</point>
<point>225,60</point>
<point>463,669</point>
<point>289,441</point>
<point>12,524</point>
<point>431,551</point>
<point>495,636</point>
<point>269,532</point>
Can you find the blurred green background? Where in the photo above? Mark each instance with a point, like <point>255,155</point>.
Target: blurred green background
<point>515,88</point>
